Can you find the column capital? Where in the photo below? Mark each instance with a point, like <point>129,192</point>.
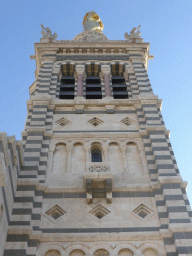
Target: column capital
<point>129,68</point>
<point>141,59</point>
<point>105,147</point>
<point>105,70</point>
<point>122,147</point>
<point>79,73</point>
<point>80,70</point>
<point>87,147</point>
<point>69,148</point>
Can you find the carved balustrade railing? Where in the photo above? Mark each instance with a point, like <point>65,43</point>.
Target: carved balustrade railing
<point>98,167</point>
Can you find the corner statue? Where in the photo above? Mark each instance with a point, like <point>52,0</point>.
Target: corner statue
<point>46,33</point>
<point>91,21</point>
<point>133,34</point>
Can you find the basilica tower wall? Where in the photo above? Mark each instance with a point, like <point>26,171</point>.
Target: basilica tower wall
<point>98,174</point>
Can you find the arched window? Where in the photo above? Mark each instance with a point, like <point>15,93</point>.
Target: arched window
<point>96,155</point>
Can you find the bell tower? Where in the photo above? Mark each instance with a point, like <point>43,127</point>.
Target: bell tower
<point>95,173</point>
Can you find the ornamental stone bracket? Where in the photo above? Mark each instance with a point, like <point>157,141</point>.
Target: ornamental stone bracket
<point>79,109</point>
<point>95,181</point>
<point>110,109</point>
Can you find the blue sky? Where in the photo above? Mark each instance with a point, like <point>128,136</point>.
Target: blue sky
<point>167,25</point>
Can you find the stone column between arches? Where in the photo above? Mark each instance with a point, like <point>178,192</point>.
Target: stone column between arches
<point>80,71</point>
<point>106,72</point>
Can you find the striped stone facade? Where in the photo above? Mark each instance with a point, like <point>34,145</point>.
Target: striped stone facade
<point>51,203</point>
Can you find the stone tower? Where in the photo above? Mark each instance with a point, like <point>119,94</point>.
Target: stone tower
<point>95,173</point>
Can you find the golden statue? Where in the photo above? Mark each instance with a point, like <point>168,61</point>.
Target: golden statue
<point>91,21</point>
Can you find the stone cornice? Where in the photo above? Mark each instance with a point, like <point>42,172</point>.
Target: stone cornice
<point>141,99</point>
<point>48,51</point>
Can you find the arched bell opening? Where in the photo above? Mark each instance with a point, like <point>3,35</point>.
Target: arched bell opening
<point>118,81</point>
<point>93,81</point>
<point>67,86</point>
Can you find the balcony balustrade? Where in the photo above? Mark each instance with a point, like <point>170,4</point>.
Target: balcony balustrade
<point>98,167</point>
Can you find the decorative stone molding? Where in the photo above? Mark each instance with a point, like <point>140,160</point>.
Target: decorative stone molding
<point>79,109</point>
<point>90,36</point>
<point>143,212</point>
<point>110,109</point>
<point>105,70</point>
<point>95,121</point>
<point>153,245</point>
<point>62,122</point>
<point>99,212</point>
<point>129,70</point>
<point>45,247</point>
<point>55,213</point>
<point>128,246</point>
<point>80,70</point>
<point>76,246</point>
<point>100,246</point>
<point>127,121</point>
<point>98,167</point>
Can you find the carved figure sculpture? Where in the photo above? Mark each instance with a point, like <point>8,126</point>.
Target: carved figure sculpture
<point>135,33</point>
<point>92,21</point>
<point>46,33</point>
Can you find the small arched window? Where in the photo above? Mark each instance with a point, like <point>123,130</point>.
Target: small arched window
<point>96,155</point>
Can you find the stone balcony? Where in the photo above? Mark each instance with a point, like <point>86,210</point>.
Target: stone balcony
<point>93,167</point>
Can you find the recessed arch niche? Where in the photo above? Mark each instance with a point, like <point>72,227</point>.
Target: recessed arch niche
<point>78,158</point>
<point>101,252</point>
<point>133,157</point>
<point>53,253</point>
<point>150,252</point>
<point>59,164</point>
<point>115,158</point>
<point>125,252</point>
<point>77,253</point>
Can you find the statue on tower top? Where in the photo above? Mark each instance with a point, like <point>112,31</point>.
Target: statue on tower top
<point>91,21</point>
<point>46,33</point>
<point>93,28</point>
<point>135,35</point>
